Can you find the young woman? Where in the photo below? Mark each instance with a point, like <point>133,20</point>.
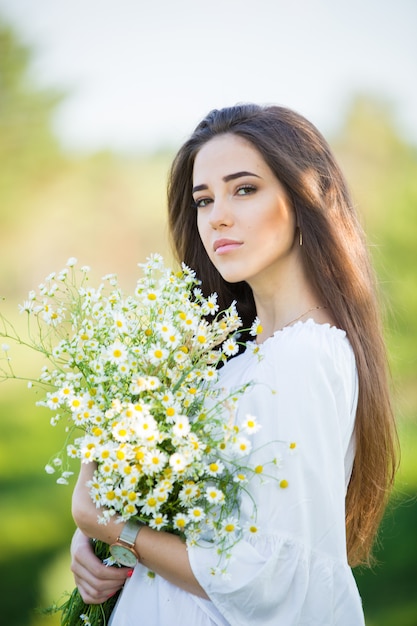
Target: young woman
<point>259,208</point>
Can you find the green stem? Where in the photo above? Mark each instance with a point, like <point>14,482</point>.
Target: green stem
<point>75,607</point>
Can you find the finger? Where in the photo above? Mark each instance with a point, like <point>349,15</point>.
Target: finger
<point>95,570</point>
<point>94,596</point>
<point>95,589</point>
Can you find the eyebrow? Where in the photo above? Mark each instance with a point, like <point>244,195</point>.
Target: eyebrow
<point>226,179</point>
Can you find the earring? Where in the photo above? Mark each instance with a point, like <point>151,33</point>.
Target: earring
<point>300,237</point>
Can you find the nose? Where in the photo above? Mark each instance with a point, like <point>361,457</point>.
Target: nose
<point>220,214</point>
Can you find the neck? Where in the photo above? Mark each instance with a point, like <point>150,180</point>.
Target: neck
<point>290,300</point>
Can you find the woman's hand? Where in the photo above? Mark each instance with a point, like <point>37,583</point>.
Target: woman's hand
<point>96,582</point>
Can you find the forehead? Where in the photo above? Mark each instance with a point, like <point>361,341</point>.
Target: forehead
<point>225,154</point>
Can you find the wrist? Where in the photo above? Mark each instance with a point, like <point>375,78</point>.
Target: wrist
<point>124,550</point>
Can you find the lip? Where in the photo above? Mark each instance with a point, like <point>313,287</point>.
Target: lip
<point>221,246</point>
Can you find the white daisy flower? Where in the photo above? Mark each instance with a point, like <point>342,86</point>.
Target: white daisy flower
<point>153,382</point>
<point>181,427</point>
<point>230,527</point>
<point>138,384</point>
<point>210,306</point>
<point>120,323</point>
<point>196,514</point>
<point>214,495</point>
<point>157,354</point>
<point>121,431</point>
<point>180,521</point>
<point>250,424</point>
<point>72,451</point>
<point>241,446</point>
<point>180,357</point>
<point>116,353</point>
<point>154,461</point>
<point>144,426</point>
<point>251,528</point>
<point>211,374</point>
<point>158,521</point>
<point>178,462</point>
<point>189,493</point>
<point>215,468</point>
<point>230,347</point>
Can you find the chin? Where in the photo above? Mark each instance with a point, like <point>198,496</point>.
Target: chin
<point>230,274</point>
<point>233,278</point>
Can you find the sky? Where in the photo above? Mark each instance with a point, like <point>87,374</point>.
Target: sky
<point>140,75</point>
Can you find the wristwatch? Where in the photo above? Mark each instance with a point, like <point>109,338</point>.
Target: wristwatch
<point>123,550</point>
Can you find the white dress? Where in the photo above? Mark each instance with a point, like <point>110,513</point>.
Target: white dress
<point>294,571</point>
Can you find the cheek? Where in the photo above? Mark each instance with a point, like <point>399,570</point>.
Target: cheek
<point>203,232</point>
<point>202,227</point>
<point>282,222</point>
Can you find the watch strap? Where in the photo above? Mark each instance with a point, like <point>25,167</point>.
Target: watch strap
<point>130,532</point>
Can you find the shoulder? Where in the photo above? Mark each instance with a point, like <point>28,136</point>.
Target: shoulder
<point>307,338</point>
<point>310,350</point>
<point>306,351</point>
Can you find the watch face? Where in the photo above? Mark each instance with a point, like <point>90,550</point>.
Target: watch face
<point>123,555</point>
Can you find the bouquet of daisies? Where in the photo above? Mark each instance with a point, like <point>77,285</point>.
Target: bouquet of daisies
<point>134,376</point>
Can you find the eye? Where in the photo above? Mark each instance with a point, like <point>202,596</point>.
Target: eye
<point>244,190</point>
<point>201,202</point>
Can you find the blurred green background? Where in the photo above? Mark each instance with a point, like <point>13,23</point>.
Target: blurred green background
<point>109,212</point>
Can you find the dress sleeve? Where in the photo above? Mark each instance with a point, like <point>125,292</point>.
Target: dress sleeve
<point>294,571</point>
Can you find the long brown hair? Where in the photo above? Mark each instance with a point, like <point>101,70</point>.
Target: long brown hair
<point>336,260</point>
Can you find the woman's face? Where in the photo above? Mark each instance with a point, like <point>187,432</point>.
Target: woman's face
<point>244,217</point>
